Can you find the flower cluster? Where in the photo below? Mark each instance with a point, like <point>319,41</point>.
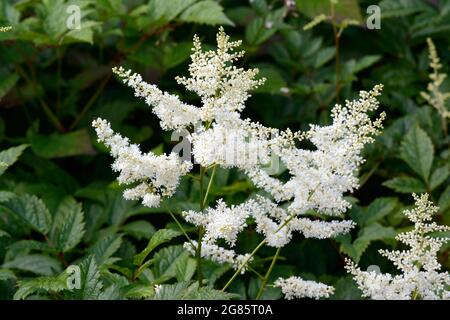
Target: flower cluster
<point>420,276</point>
<point>434,96</point>
<point>296,287</point>
<point>318,180</point>
<point>5,29</point>
<point>153,176</point>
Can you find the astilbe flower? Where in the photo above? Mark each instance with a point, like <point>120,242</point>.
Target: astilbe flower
<point>420,277</point>
<point>153,176</point>
<point>5,29</point>
<point>220,137</point>
<point>296,287</point>
<point>435,97</point>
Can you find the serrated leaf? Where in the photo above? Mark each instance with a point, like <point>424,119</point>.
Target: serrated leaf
<point>36,263</point>
<point>68,225</point>
<point>166,260</point>
<point>405,185</point>
<point>46,284</point>
<point>207,293</point>
<point>376,231</point>
<point>379,208</point>
<point>31,210</point>
<point>161,236</point>
<point>171,291</point>
<point>91,285</point>
<point>6,274</point>
<point>9,156</point>
<point>439,176</point>
<point>185,269</point>
<point>6,196</point>
<point>105,247</point>
<point>140,291</point>
<point>206,12</point>
<point>188,291</point>
<point>417,151</point>
<point>29,245</point>
<point>163,11</point>
<point>373,232</point>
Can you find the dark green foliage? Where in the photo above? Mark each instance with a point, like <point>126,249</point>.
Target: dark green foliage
<point>60,206</point>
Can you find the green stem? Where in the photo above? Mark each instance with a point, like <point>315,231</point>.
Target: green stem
<point>48,112</point>
<point>337,46</point>
<point>266,277</point>
<point>179,225</point>
<point>58,78</point>
<point>200,231</point>
<point>241,267</point>
<point>91,101</point>
<point>239,270</point>
<point>209,186</point>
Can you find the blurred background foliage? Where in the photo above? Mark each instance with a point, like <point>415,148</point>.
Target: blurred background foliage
<point>54,81</point>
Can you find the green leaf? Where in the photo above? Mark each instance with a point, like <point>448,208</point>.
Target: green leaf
<point>68,225</point>
<point>399,8</point>
<point>4,234</point>
<point>344,9</point>
<point>379,208</point>
<point>36,263</point>
<point>185,269</point>
<point>274,79</point>
<point>161,236</point>
<point>206,12</point>
<point>29,245</point>
<point>140,291</point>
<point>6,196</point>
<point>373,232</point>
<point>364,63</point>
<point>346,289</point>
<point>62,145</point>
<point>105,247</point>
<point>405,185</point>
<point>171,291</point>
<point>32,210</point>
<point>166,261</point>
<point>439,176</point>
<point>46,284</point>
<point>185,291</point>
<point>91,285</point>
<point>139,229</point>
<point>164,11</point>
<point>6,274</point>
<point>417,151</point>
<point>9,156</point>
<point>323,56</point>
<point>444,200</point>
<point>256,31</point>
<point>376,231</point>
<point>7,83</point>
<point>207,293</point>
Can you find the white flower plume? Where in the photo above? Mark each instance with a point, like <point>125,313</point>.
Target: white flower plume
<point>317,179</point>
<point>154,176</point>
<point>296,287</point>
<point>420,276</point>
